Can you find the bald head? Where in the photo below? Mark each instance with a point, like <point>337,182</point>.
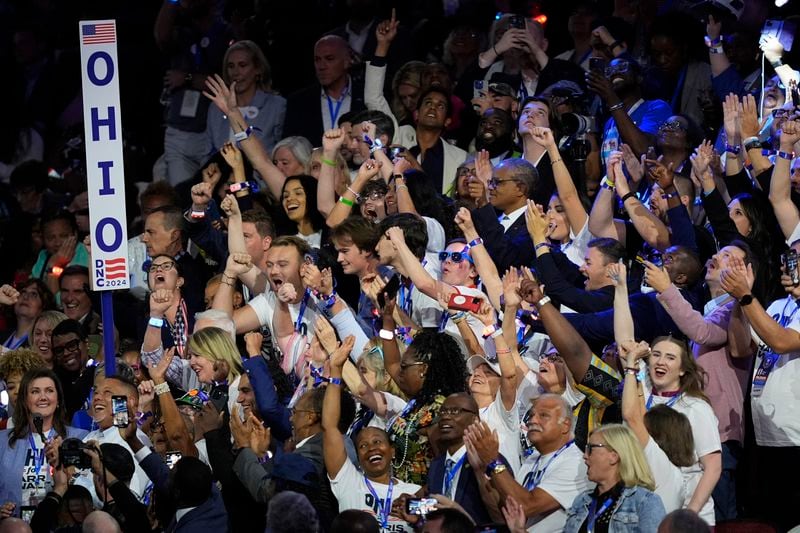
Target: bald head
<point>14,525</point>
<point>100,522</point>
<point>332,61</point>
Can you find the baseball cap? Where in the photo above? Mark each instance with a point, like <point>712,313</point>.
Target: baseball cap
<point>477,360</point>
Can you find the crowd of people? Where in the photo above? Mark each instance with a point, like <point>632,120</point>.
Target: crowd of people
<point>463,280</point>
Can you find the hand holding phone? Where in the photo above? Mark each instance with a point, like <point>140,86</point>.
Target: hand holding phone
<point>462,302</point>
<point>119,410</point>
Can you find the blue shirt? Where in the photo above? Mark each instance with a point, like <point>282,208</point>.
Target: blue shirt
<point>648,115</point>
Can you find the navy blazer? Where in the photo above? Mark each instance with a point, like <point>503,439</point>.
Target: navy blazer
<point>467,493</point>
<point>513,247</point>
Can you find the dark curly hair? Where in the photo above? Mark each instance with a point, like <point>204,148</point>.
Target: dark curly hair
<point>447,372</point>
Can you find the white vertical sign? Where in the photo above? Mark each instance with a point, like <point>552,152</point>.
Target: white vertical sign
<point>104,170</point>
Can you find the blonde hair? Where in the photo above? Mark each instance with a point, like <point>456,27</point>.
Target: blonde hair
<point>53,318</point>
<point>372,357</point>
<point>633,467</point>
<point>19,361</point>
<point>260,63</point>
<point>215,344</point>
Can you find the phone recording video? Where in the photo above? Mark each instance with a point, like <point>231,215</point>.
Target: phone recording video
<point>119,410</point>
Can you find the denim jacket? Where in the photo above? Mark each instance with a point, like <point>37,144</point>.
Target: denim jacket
<point>638,511</point>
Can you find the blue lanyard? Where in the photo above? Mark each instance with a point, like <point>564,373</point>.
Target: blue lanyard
<point>785,320</point>
<point>404,296</point>
<point>536,477</point>
<point>669,403</point>
<point>386,508</point>
<point>334,112</point>
<point>594,513</point>
<point>303,305</point>
<point>443,322</point>
<point>38,457</point>
<point>449,476</point>
<point>407,409</point>
<point>19,342</point>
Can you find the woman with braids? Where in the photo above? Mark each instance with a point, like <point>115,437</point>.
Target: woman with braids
<point>431,369</point>
<point>25,476</point>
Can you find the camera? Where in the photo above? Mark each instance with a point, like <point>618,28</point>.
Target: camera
<point>71,454</point>
<point>420,506</point>
<point>574,124</point>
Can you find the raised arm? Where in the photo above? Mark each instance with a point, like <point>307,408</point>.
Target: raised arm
<point>649,226</point>
<point>245,317</point>
<point>423,281</point>
<point>508,370</point>
<point>225,99</point>
<point>341,210</point>
<point>750,129</point>
<point>633,408</point>
<point>178,437</point>
<point>332,141</point>
<point>484,265</point>
<point>601,218</point>
<point>779,191</point>
<point>623,320</point>
<point>333,449</point>
<point>629,132</point>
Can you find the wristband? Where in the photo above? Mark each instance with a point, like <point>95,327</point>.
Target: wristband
<point>615,44</point>
<point>358,196</point>
<point>475,242</point>
<point>542,245</point>
<point>161,388</point>
<point>458,317</point>
<point>716,50</point>
<point>617,106</point>
<point>335,381</point>
<point>496,333</point>
<point>502,352</point>
<point>495,51</point>
<point>544,301</point>
<point>777,63</point>
<point>607,183</point>
<point>733,149</point>
<point>488,331</point>
<point>386,334</point>
<point>629,194</point>
<point>345,201</point>
<point>785,155</point>
<point>197,214</point>
<point>633,372</point>
<point>559,160</point>
<point>240,136</point>
<point>155,322</point>
<point>328,162</point>
<point>243,186</point>
<point>330,300</point>
<point>713,43</point>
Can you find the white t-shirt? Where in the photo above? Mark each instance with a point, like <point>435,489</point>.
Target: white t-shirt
<point>564,480</point>
<point>506,423</point>
<point>670,485</point>
<point>575,250</point>
<point>705,431</point>
<point>351,490</point>
<point>36,480</point>
<point>314,240</point>
<point>776,411</point>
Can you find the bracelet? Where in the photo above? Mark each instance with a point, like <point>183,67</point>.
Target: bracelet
<point>559,160</point>
<point>475,242</point>
<point>607,184</point>
<point>330,300</point>
<point>345,201</point>
<point>632,371</point>
<point>358,196</point>
<point>335,381</point>
<point>197,214</point>
<point>615,44</point>
<point>458,317</point>
<point>156,322</point>
<point>713,43</point>
<point>161,388</point>
<point>777,63</point>
<point>617,106</point>
<point>328,162</point>
<point>629,194</point>
<point>503,352</point>
<point>733,149</point>
<point>716,50</point>
<point>785,155</point>
<point>542,245</point>
<point>495,50</point>
<point>544,301</point>
<point>243,135</point>
<point>496,334</point>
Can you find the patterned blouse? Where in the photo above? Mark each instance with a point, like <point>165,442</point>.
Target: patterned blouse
<point>413,453</point>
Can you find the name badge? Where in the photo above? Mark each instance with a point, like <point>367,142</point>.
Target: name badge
<point>768,360</point>
<point>189,103</point>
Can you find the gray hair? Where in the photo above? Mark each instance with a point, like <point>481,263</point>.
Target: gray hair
<point>100,522</point>
<point>299,146</point>
<point>566,408</point>
<point>523,173</point>
<point>216,318</point>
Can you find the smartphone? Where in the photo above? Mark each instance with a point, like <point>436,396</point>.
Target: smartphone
<point>517,21</point>
<point>219,397</point>
<point>420,506</point>
<point>478,89</point>
<point>391,288</point>
<point>461,302</point>
<point>395,151</point>
<point>173,458</point>
<point>597,65</point>
<point>790,263</point>
<point>26,513</point>
<point>119,410</point>
<point>783,30</point>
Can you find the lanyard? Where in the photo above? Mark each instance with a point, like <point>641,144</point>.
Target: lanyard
<point>669,403</point>
<point>443,322</point>
<point>594,513</point>
<point>38,457</point>
<point>536,477</point>
<point>404,296</point>
<point>449,476</point>
<point>303,305</point>
<point>407,409</point>
<point>785,320</point>
<point>387,503</point>
<point>12,343</point>
<point>334,111</point>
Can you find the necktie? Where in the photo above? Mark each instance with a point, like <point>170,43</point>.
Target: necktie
<point>448,473</point>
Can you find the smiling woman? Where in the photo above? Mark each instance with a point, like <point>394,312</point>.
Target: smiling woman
<point>39,418</point>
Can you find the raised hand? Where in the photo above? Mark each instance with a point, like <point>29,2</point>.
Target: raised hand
<point>8,295</point>
<point>749,123</point>
<point>542,136</point>
<point>260,436</point>
<point>657,277</point>
<point>342,352</point>
<point>252,342</point>
<point>386,31</point>
<point>239,430</point>
<point>618,273</point>
<point>147,394</point>
<point>631,351</point>
<point>483,167</point>
<point>790,134</point>
<point>633,164</point>
<point>511,283</point>
<point>484,441</point>
<point>396,236</point>
<point>772,47</point>
<point>160,301</point>
<point>514,515</point>
<point>602,86</point>
<point>700,160</point>
<point>486,314</point>
<point>232,156</point>
<point>222,96</point>
<point>159,370</point>
<point>287,293</point>
<point>230,206</point>
<point>731,118</point>
<point>530,291</point>
<point>372,286</point>
<point>201,195</point>
<point>509,40</point>
<point>713,27</point>
<point>238,263</point>
<point>212,175</point>
<point>463,220</point>
<point>368,170</point>
<point>661,173</point>
<point>737,280</point>
<point>326,334</point>
<point>332,141</point>
<point>536,222</point>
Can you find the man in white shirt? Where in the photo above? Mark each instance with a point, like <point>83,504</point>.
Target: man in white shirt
<point>773,393</point>
<point>550,478</point>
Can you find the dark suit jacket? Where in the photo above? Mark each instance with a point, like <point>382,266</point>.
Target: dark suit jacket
<point>467,492</point>
<point>510,248</point>
<point>304,114</point>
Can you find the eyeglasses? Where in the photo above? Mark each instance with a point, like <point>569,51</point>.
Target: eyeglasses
<point>374,197</point>
<point>494,182</point>
<point>293,411</point>
<point>590,447</point>
<point>672,125</point>
<point>455,257</point>
<point>782,113</point>
<point>454,411</point>
<point>552,358</point>
<point>404,366</point>
<point>466,171</point>
<point>71,346</point>
<point>166,266</point>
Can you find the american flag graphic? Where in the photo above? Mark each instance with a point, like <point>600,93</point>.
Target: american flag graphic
<point>115,268</point>
<point>99,33</point>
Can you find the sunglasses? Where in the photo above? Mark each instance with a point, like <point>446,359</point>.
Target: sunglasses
<point>672,125</point>
<point>455,257</point>
<point>71,346</point>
